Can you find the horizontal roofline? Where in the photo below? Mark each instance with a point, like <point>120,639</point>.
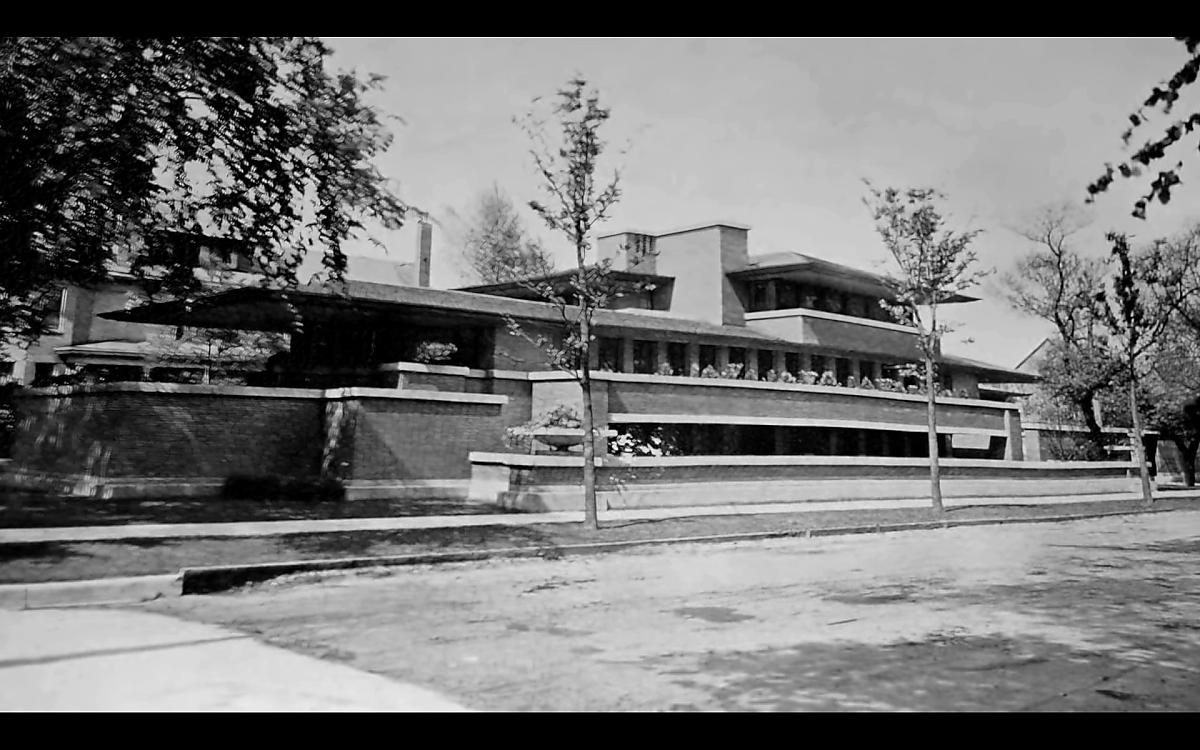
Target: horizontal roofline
<point>680,230</point>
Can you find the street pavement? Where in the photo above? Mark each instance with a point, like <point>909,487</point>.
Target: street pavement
<point>1093,615</point>
<point>111,660</point>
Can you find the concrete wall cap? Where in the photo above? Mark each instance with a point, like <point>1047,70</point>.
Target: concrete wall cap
<point>181,389</point>
<point>626,377</point>
<point>415,395</point>
<point>521,460</point>
<point>804,312</point>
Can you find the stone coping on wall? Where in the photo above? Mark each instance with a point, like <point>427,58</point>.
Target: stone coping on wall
<point>850,424</point>
<point>457,370</point>
<point>183,389</point>
<point>1079,428</point>
<point>625,377</point>
<point>523,461</point>
<point>629,377</point>
<point>804,312</point>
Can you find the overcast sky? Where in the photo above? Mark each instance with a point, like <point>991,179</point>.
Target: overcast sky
<point>778,134</point>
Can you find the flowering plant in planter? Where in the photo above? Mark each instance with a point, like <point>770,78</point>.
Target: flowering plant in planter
<point>562,415</point>
<point>828,379</point>
<point>808,377</point>
<point>731,371</point>
<point>434,351</point>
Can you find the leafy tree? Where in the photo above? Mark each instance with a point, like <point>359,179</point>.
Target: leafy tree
<point>107,142</point>
<point>1163,97</point>
<point>575,202</point>
<point>1058,285</point>
<point>1172,396</point>
<point>217,349</point>
<point>495,244</point>
<point>934,264</point>
<point>1173,380</point>
<point>1136,323</point>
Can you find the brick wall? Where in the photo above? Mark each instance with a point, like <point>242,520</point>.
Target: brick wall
<point>402,439</point>
<point>783,402</point>
<point>143,432</point>
<point>160,432</point>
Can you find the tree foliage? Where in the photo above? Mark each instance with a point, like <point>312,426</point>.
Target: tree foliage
<point>935,264</point>
<point>1163,97</point>
<point>495,244</point>
<point>105,143</point>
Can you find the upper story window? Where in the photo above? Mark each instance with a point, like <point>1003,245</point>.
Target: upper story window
<point>53,307</point>
<point>781,294</point>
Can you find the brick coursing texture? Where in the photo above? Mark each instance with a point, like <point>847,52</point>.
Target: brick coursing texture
<point>658,398</point>
<point>122,434</point>
<point>408,439</point>
<point>133,434</point>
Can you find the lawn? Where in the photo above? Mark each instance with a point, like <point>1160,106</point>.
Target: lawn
<point>63,561</point>
<point>37,510</point>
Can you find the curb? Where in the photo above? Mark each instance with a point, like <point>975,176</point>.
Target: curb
<point>214,579</point>
<point>90,592</point>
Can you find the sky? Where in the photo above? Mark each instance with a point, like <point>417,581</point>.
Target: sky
<point>779,134</point>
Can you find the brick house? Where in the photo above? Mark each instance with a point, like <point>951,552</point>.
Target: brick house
<point>756,378</point>
<point>697,303</point>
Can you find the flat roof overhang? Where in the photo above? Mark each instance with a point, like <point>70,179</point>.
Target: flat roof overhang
<point>562,281</point>
<point>262,309</point>
<point>815,271</point>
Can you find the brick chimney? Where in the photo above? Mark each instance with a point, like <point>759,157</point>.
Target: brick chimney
<point>424,251</point>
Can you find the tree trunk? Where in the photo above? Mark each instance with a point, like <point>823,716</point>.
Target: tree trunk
<point>1087,405</point>
<point>1139,447</point>
<point>1187,452</point>
<point>935,478</point>
<point>590,518</point>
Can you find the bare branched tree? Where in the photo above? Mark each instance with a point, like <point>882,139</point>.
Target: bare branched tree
<point>1057,284</point>
<point>566,155</point>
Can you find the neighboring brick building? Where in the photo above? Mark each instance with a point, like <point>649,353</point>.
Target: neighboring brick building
<point>106,350</point>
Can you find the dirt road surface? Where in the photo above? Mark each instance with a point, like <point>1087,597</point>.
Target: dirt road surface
<point>1087,615</point>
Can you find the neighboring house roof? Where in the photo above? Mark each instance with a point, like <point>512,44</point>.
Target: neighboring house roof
<point>190,351</point>
<point>1032,360</point>
<point>994,373</point>
<point>774,264</point>
<point>380,270</point>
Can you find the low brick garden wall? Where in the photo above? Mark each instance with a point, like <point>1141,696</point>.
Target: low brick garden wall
<point>553,483</point>
<point>156,439</point>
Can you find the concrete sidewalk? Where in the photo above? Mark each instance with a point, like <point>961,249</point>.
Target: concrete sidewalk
<point>113,660</point>
<point>275,528</point>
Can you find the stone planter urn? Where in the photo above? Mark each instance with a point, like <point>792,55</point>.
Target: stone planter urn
<point>563,439</point>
